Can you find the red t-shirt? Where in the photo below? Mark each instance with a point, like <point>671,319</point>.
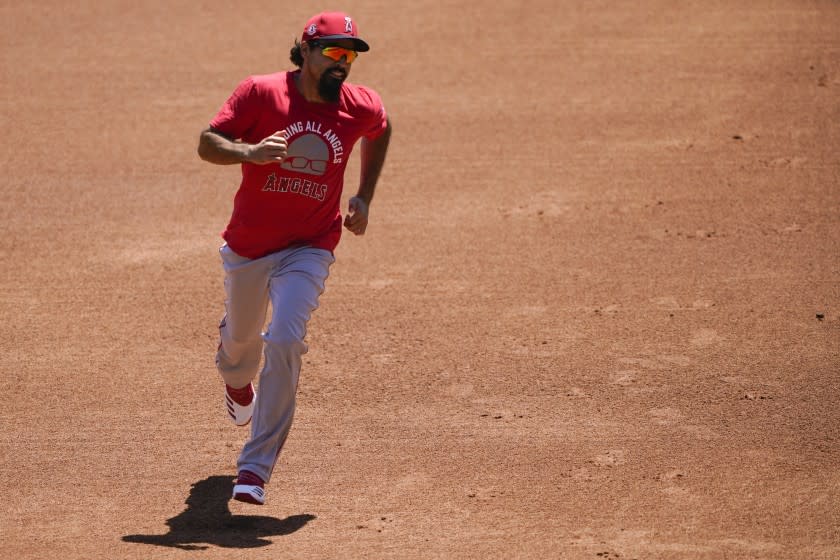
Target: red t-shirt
<point>295,202</point>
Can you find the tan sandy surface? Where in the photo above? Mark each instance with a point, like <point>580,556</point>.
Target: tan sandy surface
<point>596,314</point>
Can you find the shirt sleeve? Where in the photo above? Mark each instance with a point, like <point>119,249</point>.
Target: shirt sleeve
<point>379,124</point>
<point>240,111</point>
<point>377,118</point>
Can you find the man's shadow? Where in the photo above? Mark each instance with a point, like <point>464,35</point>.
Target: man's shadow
<point>208,521</point>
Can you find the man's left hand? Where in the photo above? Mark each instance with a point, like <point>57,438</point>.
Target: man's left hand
<point>357,216</point>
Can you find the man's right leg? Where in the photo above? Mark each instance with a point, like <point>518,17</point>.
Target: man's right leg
<point>240,331</point>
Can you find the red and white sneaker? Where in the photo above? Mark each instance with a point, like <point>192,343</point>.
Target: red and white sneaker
<point>249,488</point>
<point>239,403</point>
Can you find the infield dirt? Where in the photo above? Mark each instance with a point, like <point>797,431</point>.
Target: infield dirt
<point>596,313</point>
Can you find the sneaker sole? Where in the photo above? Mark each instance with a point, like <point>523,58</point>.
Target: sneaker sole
<point>230,404</point>
<point>249,494</point>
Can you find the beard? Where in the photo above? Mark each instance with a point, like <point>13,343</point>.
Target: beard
<point>329,85</point>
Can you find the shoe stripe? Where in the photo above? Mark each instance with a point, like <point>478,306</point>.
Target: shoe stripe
<point>240,414</point>
<point>249,493</point>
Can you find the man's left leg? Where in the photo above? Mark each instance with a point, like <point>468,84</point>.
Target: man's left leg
<point>296,284</point>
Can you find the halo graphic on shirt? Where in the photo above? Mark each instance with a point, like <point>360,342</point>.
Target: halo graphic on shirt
<point>307,154</point>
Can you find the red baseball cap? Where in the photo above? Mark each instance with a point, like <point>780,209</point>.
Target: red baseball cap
<point>333,26</point>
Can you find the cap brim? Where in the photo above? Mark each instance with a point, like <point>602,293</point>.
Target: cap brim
<point>360,45</point>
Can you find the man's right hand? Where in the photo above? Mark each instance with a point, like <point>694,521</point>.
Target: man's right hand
<point>269,150</point>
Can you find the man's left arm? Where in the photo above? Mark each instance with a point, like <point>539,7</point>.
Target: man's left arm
<point>373,158</point>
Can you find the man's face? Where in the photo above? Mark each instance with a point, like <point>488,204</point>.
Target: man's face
<point>327,72</point>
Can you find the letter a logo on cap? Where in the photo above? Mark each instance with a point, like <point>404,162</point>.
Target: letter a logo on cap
<point>348,24</point>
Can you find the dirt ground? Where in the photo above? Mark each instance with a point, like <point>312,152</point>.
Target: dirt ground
<point>596,314</point>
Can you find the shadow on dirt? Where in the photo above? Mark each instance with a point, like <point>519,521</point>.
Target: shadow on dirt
<point>208,521</point>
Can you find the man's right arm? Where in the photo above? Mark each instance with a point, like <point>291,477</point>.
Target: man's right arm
<point>216,148</point>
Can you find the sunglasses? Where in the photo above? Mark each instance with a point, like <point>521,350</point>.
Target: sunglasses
<point>336,53</point>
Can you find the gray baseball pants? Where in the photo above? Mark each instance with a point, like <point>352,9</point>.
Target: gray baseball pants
<point>292,281</point>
